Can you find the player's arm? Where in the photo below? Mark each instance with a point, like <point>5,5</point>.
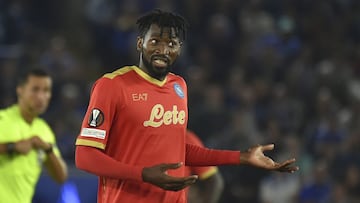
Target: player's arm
<point>56,167</point>
<point>94,161</point>
<point>199,156</point>
<point>3,148</point>
<point>13,148</point>
<point>54,164</point>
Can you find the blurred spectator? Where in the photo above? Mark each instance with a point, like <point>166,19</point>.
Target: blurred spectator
<point>352,182</point>
<point>59,61</point>
<point>319,188</point>
<point>279,188</point>
<point>212,117</point>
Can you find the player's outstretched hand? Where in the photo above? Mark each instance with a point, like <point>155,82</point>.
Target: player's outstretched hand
<point>157,175</point>
<point>255,157</point>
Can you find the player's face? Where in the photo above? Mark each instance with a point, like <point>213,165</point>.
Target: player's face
<point>35,94</point>
<point>159,50</point>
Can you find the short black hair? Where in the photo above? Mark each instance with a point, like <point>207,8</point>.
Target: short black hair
<point>163,19</point>
<point>24,76</point>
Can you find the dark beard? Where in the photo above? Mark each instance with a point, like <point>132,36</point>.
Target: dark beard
<point>158,73</point>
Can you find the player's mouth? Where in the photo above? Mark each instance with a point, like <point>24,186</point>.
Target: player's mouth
<point>40,107</point>
<point>161,62</point>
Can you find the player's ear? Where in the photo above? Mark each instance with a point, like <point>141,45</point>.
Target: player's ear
<point>139,43</point>
<point>180,48</point>
<point>179,52</point>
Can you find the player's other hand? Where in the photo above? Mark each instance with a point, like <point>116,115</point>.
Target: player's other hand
<point>255,157</point>
<point>157,175</point>
<point>23,146</point>
<point>38,143</point>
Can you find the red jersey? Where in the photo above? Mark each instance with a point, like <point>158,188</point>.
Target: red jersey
<point>141,121</point>
<point>205,171</point>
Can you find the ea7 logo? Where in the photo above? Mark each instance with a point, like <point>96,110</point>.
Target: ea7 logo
<point>139,96</point>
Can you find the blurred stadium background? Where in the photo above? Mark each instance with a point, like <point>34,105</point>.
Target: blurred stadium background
<point>280,71</point>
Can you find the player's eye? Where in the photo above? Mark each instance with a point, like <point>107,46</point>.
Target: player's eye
<point>153,41</point>
<point>173,44</point>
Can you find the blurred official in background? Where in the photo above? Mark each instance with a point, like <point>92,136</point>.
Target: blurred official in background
<point>26,141</point>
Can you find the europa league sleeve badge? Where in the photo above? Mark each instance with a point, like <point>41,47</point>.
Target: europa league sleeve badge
<point>96,118</point>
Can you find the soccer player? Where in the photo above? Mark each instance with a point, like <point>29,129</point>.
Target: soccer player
<point>210,185</point>
<point>133,133</point>
<point>26,141</point>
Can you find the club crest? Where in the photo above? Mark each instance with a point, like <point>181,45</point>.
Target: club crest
<point>178,90</point>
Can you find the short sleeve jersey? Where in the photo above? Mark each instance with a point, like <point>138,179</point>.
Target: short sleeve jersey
<point>140,121</point>
<point>20,173</point>
<point>203,172</point>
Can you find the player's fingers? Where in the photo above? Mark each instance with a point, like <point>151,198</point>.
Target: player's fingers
<point>171,166</point>
<point>185,182</point>
<point>181,180</point>
<point>171,187</point>
<point>176,186</point>
<point>289,169</point>
<point>293,169</point>
<point>286,166</point>
<point>267,147</point>
<point>191,179</point>
<point>287,162</point>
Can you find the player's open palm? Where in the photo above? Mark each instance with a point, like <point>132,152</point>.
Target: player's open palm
<point>255,157</point>
<point>157,175</point>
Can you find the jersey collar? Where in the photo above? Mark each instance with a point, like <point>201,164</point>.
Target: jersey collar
<point>148,77</point>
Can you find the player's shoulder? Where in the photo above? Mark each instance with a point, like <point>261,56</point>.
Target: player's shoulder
<point>10,112</point>
<point>176,78</point>
<point>3,111</point>
<point>41,122</point>
<point>118,72</point>
<point>4,115</point>
<point>108,80</point>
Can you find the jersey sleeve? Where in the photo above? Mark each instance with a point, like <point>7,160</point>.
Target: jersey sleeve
<point>5,128</point>
<point>205,171</point>
<point>101,110</point>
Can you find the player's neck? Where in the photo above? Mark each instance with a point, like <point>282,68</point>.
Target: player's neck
<point>26,114</point>
<point>143,67</point>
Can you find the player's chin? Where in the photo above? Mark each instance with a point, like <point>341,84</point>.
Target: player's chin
<point>40,109</point>
<point>161,70</point>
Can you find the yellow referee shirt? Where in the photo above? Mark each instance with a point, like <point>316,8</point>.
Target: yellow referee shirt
<point>20,173</point>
